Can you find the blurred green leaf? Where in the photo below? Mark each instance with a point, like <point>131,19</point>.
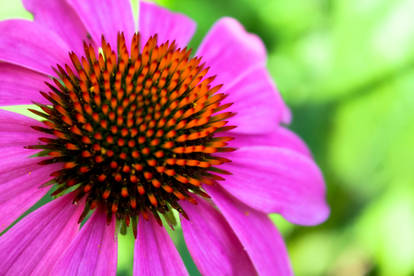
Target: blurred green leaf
<point>365,129</point>
<point>312,253</point>
<point>386,230</point>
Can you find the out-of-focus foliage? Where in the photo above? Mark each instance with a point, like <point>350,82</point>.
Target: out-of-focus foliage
<point>346,68</point>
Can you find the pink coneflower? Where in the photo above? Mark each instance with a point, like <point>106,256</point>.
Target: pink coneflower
<point>136,129</point>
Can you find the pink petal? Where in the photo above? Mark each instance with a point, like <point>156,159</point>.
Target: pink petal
<point>258,105</point>
<point>231,52</point>
<point>31,45</point>
<point>212,243</point>
<point>155,253</point>
<point>106,18</point>
<point>238,60</point>
<point>280,138</point>
<point>278,180</point>
<point>21,86</point>
<point>20,176</point>
<point>16,131</point>
<point>15,134</point>
<point>15,206</point>
<point>256,232</point>
<point>93,252</point>
<point>58,16</point>
<point>167,25</point>
<point>20,183</point>
<point>18,164</point>
<point>34,244</point>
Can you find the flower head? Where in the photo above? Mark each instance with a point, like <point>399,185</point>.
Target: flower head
<point>134,128</point>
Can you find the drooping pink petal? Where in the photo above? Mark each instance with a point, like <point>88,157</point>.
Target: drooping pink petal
<point>20,85</point>
<point>106,18</point>
<point>167,25</point>
<point>155,253</point>
<point>278,180</point>
<point>212,243</point>
<point>258,105</point>
<point>231,52</point>
<point>238,60</point>
<point>280,138</point>
<point>16,131</point>
<point>31,45</point>
<point>58,16</point>
<point>34,244</point>
<point>256,232</point>
<point>93,252</point>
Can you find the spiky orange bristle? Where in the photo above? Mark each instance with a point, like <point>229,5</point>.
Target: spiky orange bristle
<point>136,132</point>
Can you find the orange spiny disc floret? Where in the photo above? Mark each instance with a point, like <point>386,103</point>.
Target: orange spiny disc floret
<point>135,132</point>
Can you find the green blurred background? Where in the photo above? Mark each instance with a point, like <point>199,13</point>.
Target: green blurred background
<point>346,68</point>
